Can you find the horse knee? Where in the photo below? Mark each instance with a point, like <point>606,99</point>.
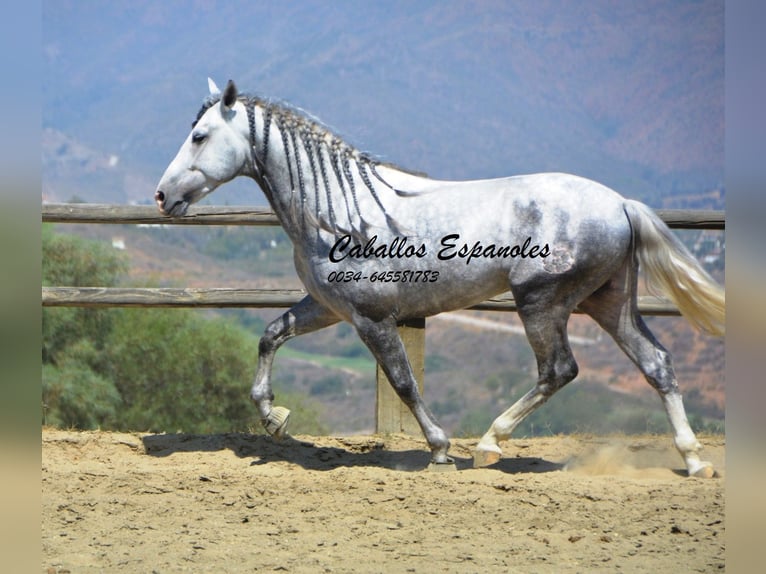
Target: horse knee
<point>273,336</point>
<point>266,345</point>
<point>260,393</point>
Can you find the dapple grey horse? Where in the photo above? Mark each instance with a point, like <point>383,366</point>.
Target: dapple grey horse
<point>375,245</point>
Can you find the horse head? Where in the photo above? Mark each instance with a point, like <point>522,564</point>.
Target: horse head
<point>216,151</point>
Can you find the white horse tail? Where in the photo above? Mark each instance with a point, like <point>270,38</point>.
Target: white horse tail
<point>669,267</point>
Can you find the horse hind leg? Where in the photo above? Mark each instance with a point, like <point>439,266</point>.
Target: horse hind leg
<point>556,366</point>
<point>306,316</point>
<point>615,309</point>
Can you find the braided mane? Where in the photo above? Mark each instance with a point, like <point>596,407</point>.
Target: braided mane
<point>294,118</point>
<point>332,161</point>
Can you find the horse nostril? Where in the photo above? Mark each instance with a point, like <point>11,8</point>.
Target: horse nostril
<point>159,196</point>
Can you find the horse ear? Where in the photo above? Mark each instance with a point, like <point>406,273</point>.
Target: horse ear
<point>214,90</point>
<point>229,96</point>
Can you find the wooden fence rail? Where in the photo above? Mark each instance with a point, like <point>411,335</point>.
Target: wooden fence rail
<point>391,414</point>
<point>246,215</point>
<point>252,298</point>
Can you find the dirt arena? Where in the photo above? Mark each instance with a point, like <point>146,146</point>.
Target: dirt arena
<point>137,503</point>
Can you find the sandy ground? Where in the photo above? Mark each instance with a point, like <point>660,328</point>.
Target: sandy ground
<point>241,503</point>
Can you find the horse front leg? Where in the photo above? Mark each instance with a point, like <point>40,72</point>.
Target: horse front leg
<point>305,317</point>
<point>382,338</point>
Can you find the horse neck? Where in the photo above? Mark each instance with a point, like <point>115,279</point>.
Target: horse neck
<point>314,181</point>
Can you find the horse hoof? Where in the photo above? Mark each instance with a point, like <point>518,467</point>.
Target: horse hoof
<point>704,471</point>
<point>276,423</point>
<point>446,466</point>
<point>482,457</point>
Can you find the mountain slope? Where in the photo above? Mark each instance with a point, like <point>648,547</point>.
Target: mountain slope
<point>630,95</point>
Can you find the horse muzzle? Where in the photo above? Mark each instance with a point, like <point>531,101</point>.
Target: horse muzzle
<point>168,207</point>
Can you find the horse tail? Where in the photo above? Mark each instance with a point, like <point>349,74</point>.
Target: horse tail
<point>669,267</point>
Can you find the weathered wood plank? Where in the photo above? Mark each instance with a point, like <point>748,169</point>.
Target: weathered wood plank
<point>248,215</point>
<point>256,298</point>
<point>148,215</point>
<point>693,218</point>
<point>169,297</point>
<point>647,305</point>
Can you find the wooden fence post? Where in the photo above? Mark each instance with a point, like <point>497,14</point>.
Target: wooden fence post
<point>391,414</point>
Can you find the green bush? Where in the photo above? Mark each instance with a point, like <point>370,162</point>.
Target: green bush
<point>75,262</point>
<point>144,369</point>
<point>178,371</point>
<point>75,395</point>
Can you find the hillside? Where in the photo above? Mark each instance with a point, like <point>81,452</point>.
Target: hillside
<point>629,95</point>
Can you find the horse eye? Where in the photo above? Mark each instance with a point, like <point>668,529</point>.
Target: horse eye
<point>198,137</point>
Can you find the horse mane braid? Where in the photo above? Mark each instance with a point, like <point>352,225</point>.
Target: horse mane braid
<point>295,118</point>
<point>291,122</point>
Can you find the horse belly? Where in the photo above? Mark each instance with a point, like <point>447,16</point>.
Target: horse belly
<point>404,288</point>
